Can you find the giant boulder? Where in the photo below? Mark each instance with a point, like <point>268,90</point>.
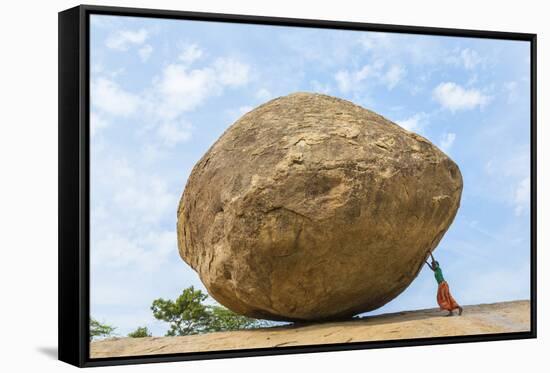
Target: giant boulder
<point>312,208</point>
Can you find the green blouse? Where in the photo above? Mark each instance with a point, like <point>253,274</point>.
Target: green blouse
<point>438,275</point>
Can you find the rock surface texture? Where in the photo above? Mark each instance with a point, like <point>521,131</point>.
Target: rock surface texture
<point>312,208</point>
<point>506,317</point>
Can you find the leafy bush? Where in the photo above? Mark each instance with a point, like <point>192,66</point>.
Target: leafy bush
<point>189,315</point>
<point>98,329</point>
<point>140,332</point>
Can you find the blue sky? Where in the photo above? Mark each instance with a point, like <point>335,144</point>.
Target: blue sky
<point>162,91</point>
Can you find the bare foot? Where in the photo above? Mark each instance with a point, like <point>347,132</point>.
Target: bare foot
<point>460,311</point>
<point>450,313</point>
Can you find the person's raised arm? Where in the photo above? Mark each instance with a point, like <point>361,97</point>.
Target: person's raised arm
<point>432,268</point>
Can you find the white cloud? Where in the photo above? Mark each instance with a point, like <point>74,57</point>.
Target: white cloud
<point>122,40</point>
<point>263,94</point>
<point>190,54</point>
<point>152,152</point>
<point>174,132</point>
<point>344,81</point>
<point>244,109</point>
<point>466,58</point>
<point>367,70</point>
<point>144,252</point>
<point>319,87</point>
<point>353,80</point>
<point>177,90</point>
<point>107,96</point>
<point>470,58</point>
<point>511,91</point>
<point>372,41</point>
<point>453,97</point>
<point>349,81</point>
<point>132,208</point>
<point>522,196</point>
<point>145,52</point>
<point>237,113</point>
<point>96,123</point>
<point>417,51</point>
<point>99,70</point>
<point>510,178</point>
<point>131,201</point>
<point>148,197</point>
<point>415,123</point>
<point>390,48</point>
<point>447,142</point>
<point>393,76</point>
<point>181,89</point>
<point>232,72</point>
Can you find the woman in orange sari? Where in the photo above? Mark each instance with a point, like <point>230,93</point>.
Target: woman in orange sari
<point>444,297</point>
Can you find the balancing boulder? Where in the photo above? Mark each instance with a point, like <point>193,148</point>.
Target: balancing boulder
<point>312,208</point>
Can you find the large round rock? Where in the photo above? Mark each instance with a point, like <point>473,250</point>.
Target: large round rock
<point>310,207</point>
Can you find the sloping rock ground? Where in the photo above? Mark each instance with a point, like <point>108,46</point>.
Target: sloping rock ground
<point>502,317</point>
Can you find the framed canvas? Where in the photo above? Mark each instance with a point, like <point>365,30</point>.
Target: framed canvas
<point>235,186</point>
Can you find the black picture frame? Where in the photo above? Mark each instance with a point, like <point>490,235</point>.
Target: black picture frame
<point>74,190</point>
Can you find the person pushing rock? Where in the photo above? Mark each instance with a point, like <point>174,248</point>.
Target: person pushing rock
<point>444,298</point>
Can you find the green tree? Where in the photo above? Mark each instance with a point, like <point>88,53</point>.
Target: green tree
<point>186,315</point>
<point>223,319</point>
<point>189,315</point>
<point>140,332</point>
<point>98,329</point>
